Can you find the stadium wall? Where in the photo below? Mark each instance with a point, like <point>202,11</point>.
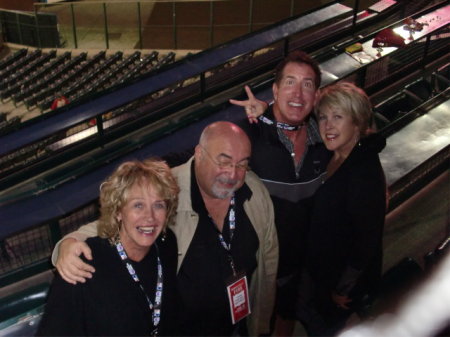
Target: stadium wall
<point>22,5</point>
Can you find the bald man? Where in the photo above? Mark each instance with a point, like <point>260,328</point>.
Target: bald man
<point>227,243</point>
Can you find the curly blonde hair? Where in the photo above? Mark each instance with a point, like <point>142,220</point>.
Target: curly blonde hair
<point>350,99</point>
<point>114,192</point>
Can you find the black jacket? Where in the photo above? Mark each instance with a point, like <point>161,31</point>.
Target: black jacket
<point>288,187</point>
<point>111,303</point>
<point>345,240</point>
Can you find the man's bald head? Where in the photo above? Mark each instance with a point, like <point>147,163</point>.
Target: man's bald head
<point>221,159</point>
<point>223,131</point>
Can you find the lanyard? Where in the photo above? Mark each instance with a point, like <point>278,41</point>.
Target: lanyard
<point>156,308</point>
<point>232,224</point>
<point>280,125</point>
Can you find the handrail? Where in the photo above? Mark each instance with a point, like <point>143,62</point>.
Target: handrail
<point>119,2</point>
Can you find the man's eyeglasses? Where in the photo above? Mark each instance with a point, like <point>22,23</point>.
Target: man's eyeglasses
<point>227,164</point>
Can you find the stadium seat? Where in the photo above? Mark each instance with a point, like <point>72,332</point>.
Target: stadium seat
<point>12,58</point>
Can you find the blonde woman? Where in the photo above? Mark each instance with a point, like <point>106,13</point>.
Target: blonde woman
<point>344,247</point>
<point>132,292</point>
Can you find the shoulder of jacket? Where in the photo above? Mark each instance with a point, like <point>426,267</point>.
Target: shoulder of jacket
<point>254,182</point>
<point>183,173</point>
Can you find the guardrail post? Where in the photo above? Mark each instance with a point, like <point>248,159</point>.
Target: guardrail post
<point>211,24</point>
<point>361,78</point>
<point>355,14</point>
<point>38,31</point>
<point>174,23</point>
<point>106,25</point>
<point>20,28</point>
<point>286,47</point>
<point>100,129</point>
<point>202,86</point>
<point>138,4</point>
<point>425,51</point>
<point>250,16</point>
<point>74,29</point>
<point>55,231</point>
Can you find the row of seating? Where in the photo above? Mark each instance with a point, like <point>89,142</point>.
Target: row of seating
<point>73,78</point>
<point>13,83</point>
<point>18,65</point>
<point>16,157</point>
<point>76,85</point>
<point>7,61</point>
<point>148,61</point>
<point>34,81</point>
<point>36,78</point>
<point>86,76</point>
<point>412,96</point>
<point>41,78</point>
<point>52,84</point>
<point>111,73</point>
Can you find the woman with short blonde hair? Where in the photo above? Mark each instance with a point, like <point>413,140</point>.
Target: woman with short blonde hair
<point>114,192</point>
<point>133,290</point>
<point>344,246</point>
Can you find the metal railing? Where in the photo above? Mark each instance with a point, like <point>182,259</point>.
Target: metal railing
<point>162,24</point>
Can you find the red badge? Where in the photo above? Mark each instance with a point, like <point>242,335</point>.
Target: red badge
<point>238,298</point>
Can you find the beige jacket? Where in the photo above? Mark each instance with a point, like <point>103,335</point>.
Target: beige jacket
<point>259,209</point>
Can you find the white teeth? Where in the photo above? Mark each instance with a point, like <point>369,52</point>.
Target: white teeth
<point>146,230</point>
<point>297,105</point>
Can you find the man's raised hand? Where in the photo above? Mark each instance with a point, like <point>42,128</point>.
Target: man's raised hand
<point>253,106</point>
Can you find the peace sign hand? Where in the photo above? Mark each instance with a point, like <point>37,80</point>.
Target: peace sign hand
<point>253,106</point>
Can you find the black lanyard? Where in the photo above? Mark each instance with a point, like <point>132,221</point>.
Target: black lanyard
<point>156,308</point>
<point>232,226</point>
<point>280,125</point>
